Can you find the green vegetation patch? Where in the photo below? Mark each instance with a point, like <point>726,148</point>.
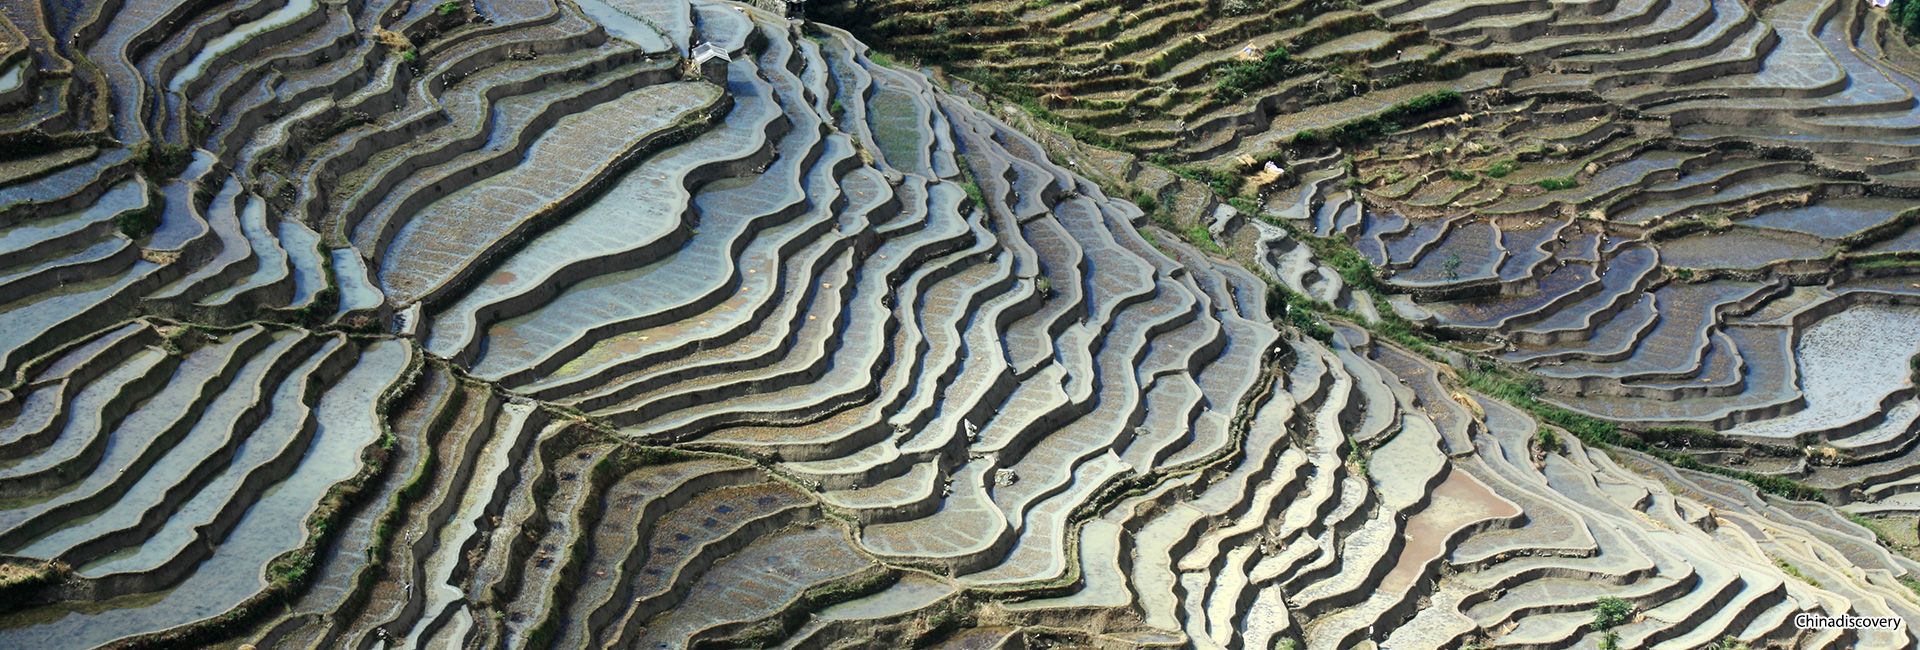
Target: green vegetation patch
<point>1549,441</point>
<point>1794,571</point>
<point>1555,184</point>
<point>139,222</point>
<point>1222,183</point>
<point>1906,14</point>
<point>1380,124</point>
<point>1610,612</point>
<point>1235,81</point>
<point>1201,237</point>
<point>1525,393</point>
<point>162,160</point>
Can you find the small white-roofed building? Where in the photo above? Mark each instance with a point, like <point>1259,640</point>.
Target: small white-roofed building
<point>711,61</point>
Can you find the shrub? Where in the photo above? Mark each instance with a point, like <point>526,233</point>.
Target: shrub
<point>138,223</point>
<point>1299,310</point>
<point>1354,269</point>
<point>1610,612</point>
<point>1308,324</point>
<point>1147,203</point>
<point>1236,80</point>
<point>1501,168</point>
<point>1552,184</point>
<point>446,8</point>
<point>162,160</point>
<point>1222,183</point>
<point>1548,440</point>
<point>973,192</point>
<point>1360,460</point>
<point>1430,101</point>
<point>290,568</point>
<point>198,123</point>
<point>1906,14</point>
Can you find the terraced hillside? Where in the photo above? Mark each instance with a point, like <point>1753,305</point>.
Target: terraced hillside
<point>1183,79</point>
<point>503,324</point>
<point>1706,229</point>
<point>1695,218</point>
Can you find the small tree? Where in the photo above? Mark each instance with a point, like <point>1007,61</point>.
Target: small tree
<point>1610,612</point>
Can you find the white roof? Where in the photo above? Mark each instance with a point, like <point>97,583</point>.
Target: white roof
<point>708,51</point>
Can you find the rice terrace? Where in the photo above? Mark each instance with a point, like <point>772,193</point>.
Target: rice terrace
<point>1278,324</point>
